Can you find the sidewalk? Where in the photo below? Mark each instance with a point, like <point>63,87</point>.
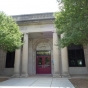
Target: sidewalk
<point>38,82</point>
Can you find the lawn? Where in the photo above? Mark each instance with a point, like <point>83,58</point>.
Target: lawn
<point>79,82</point>
<point>3,79</point>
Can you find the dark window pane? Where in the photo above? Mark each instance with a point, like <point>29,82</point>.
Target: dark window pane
<point>76,56</point>
<point>10,59</point>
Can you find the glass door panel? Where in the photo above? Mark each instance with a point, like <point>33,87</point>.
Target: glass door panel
<point>47,65</point>
<point>40,62</point>
<point>47,62</point>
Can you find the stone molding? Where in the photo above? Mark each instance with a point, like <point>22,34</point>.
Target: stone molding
<point>32,17</point>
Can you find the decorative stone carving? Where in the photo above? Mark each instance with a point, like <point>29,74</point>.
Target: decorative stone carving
<point>43,46</point>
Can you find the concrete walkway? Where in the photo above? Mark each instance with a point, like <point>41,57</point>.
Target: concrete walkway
<point>38,82</point>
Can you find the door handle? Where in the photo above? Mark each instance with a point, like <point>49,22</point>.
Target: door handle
<point>44,66</point>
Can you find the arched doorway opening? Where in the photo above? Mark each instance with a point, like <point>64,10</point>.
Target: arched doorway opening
<point>43,58</point>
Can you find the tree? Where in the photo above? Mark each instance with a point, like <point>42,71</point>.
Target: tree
<point>10,35</point>
<point>73,22</point>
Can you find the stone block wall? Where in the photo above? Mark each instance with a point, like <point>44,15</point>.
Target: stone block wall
<point>2,61</point>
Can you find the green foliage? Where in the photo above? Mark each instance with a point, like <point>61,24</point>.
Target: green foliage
<point>73,22</point>
<point>10,36</point>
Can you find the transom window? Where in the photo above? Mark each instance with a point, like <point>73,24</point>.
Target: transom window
<point>76,56</point>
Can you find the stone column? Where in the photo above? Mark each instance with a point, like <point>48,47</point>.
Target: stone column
<point>56,57</point>
<point>64,57</point>
<point>17,63</point>
<point>25,57</point>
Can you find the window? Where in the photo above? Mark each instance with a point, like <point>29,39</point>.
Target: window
<point>76,56</point>
<point>10,59</point>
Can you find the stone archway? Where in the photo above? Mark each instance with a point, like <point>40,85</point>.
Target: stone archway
<point>42,41</point>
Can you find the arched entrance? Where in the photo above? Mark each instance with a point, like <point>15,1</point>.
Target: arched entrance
<point>43,58</point>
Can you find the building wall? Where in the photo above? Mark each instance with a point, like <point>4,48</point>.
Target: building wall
<point>78,70</point>
<point>8,72</point>
<point>33,42</point>
<point>2,61</point>
<point>38,27</point>
<point>32,61</point>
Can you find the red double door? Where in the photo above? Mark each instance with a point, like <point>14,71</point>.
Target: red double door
<point>43,65</point>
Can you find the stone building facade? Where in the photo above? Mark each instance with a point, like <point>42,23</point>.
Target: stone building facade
<point>40,53</point>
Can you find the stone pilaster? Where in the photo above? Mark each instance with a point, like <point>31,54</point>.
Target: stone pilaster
<point>25,57</point>
<point>17,63</point>
<point>64,57</point>
<point>56,57</point>
<point>86,56</point>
